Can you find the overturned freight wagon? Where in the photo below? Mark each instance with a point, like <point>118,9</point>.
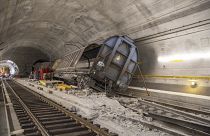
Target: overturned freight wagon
<point>105,67</point>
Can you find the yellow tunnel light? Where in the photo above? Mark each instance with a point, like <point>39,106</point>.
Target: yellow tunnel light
<point>194,83</point>
<point>184,57</point>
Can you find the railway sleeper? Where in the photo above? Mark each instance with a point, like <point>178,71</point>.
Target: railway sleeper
<point>27,125</point>
<point>41,109</point>
<point>67,130</point>
<point>33,101</point>
<point>17,106</point>
<point>50,115</point>
<point>80,133</point>
<point>24,118</point>
<point>25,121</point>
<point>37,133</point>
<point>192,125</point>
<point>64,125</point>
<point>21,115</point>
<point>40,103</point>
<point>54,118</point>
<point>20,112</point>
<point>57,121</point>
<point>38,106</point>
<point>30,130</point>
<point>45,112</point>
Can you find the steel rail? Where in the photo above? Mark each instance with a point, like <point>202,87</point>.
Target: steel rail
<point>170,122</point>
<point>204,129</point>
<point>35,120</point>
<point>176,111</point>
<point>99,131</point>
<point>189,110</point>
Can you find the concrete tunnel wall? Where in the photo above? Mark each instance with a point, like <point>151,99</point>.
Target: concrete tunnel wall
<point>175,51</point>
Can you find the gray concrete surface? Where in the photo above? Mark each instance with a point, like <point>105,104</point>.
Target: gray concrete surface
<point>4,130</point>
<point>14,124</point>
<point>3,127</point>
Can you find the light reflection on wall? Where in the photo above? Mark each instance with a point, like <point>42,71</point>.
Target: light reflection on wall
<point>196,90</point>
<point>184,57</point>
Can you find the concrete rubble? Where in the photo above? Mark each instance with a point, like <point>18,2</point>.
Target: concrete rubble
<point>107,112</point>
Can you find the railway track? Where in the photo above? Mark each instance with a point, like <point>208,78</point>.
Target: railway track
<point>201,112</point>
<point>185,123</point>
<point>40,116</point>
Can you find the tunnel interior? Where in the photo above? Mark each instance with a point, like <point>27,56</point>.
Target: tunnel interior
<point>25,57</point>
<point>8,69</point>
<point>105,67</point>
<point>172,37</point>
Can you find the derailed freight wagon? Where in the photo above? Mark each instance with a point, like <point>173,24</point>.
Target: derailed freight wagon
<point>105,67</point>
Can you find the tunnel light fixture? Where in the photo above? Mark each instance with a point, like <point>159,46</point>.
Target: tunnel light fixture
<point>13,68</point>
<point>193,83</point>
<point>9,61</point>
<point>184,57</point>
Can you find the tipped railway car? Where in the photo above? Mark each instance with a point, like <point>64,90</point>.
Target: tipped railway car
<point>105,67</point>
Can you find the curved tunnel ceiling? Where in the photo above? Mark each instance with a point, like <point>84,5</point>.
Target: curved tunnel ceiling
<point>61,26</point>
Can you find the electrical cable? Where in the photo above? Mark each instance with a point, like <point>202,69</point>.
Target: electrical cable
<point>144,82</point>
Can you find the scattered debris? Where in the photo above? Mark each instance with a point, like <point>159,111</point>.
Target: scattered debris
<point>108,112</point>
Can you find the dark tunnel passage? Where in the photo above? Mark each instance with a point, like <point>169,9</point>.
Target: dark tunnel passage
<point>25,57</point>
